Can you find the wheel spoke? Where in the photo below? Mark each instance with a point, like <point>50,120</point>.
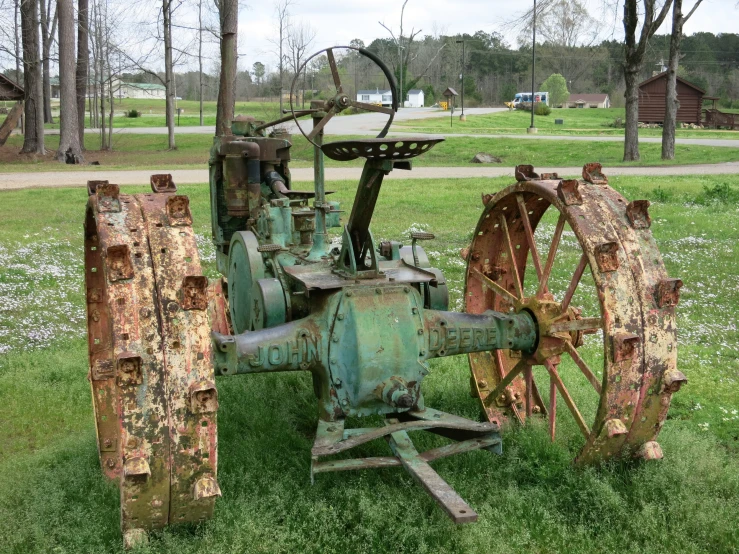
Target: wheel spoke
<point>575,355</point>
<point>334,69</point>
<point>575,281</point>
<point>506,381</point>
<point>552,407</point>
<point>529,378</point>
<point>371,107</point>
<point>492,285</point>
<point>544,281</point>
<point>584,324</point>
<point>567,398</point>
<point>511,253</point>
<point>523,210</point>
<point>321,124</point>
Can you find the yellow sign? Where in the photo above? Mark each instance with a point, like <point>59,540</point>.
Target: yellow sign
<point>444,105</point>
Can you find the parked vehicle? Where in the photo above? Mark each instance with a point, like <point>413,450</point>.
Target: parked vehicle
<point>526,97</point>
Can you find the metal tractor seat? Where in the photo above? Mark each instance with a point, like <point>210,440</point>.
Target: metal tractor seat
<point>379,148</point>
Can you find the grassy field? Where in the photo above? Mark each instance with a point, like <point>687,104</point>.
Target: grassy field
<point>152,112</point>
<point>578,122</point>
<point>54,499</point>
<point>150,152</point>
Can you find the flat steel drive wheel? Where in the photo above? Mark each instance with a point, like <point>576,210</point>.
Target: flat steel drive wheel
<point>150,362</point>
<point>583,262</point>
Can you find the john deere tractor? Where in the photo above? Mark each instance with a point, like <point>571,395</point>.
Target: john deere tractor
<point>365,318</point>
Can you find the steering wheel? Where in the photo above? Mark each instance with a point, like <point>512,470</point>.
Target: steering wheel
<point>341,101</point>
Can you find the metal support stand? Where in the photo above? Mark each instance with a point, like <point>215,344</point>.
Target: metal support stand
<point>320,237</point>
<point>332,438</point>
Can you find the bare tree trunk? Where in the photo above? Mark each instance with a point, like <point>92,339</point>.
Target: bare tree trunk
<point>69,136</point>
<point>672,103</point>
<point>200,58</point>
<point>168,70</point>
<point>631,132</point>
<point>34,98</point>
<point>17,43</point>
<point>47,38</point>
<point>18,53</point>
<point>101,75</point>
<point>227,84</point>
<point>81,76</point>
<point>634,51</point>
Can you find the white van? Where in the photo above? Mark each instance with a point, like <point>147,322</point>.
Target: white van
<point>526,97</point>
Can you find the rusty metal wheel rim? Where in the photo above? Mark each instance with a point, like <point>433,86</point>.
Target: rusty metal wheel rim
<point>637,313</point>
<point>150,370</point>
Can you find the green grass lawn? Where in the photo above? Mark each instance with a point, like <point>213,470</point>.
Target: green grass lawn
<point>152,112</point>
<point>582,122</point>
<point>53,497</point>
<point>150,152</point>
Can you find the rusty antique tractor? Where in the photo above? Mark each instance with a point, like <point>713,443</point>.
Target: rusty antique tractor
<point>364,318</point>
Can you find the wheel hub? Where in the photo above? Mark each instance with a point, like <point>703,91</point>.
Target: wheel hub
<point>550,317</point>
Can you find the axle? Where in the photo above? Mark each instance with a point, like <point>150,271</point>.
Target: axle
<point>367,348</point>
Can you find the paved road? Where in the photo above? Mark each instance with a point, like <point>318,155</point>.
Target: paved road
<point>360,124</point>
<point>370,123</point>
<point>10,181</point>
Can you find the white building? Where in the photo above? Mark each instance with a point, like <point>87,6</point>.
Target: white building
<point>141,90</point>
<point>415,99</point>
<point>378,97</point>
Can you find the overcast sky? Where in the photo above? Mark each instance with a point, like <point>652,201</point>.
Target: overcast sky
<point>338,22</point>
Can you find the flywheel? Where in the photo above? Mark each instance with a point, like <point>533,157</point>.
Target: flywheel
<point>151,374</point>
<point>582,260</point>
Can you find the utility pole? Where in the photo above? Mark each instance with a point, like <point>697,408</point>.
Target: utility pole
<point>463,117</point>
<point>532,129</point>
<point>400,59</point>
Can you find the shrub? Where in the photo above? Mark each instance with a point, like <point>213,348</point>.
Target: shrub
<point>133,113</point>
<point>720,193</point>
<point>542,109</point>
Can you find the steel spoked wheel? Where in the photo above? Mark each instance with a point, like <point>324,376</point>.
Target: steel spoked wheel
<point>150,362</point>
<point>583,262</point>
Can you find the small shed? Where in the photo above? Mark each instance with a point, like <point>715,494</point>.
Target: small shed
<point>13,92</point>
<point>415,98</point>
<point>10,90</point>
<point>380,97</point>
<point>653,99</point>
<point>588,101</point>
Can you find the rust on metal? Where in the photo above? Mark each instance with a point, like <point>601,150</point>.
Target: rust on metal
<point>606,256</point>
<point>568,191</point>
<point>194,292</point>
<point>636,315</point>
<point>92,186</point>
<point>526,173</point>
<point>668,292</point>
<point>178,211</point>
<point>593,174</point>
<point>638,214</point>
<point>129,369</point>
<point>153,394</point>
<point>107,195</point>
<point>120,266</point>
<point>624,346</point>
<point>162,183</point>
